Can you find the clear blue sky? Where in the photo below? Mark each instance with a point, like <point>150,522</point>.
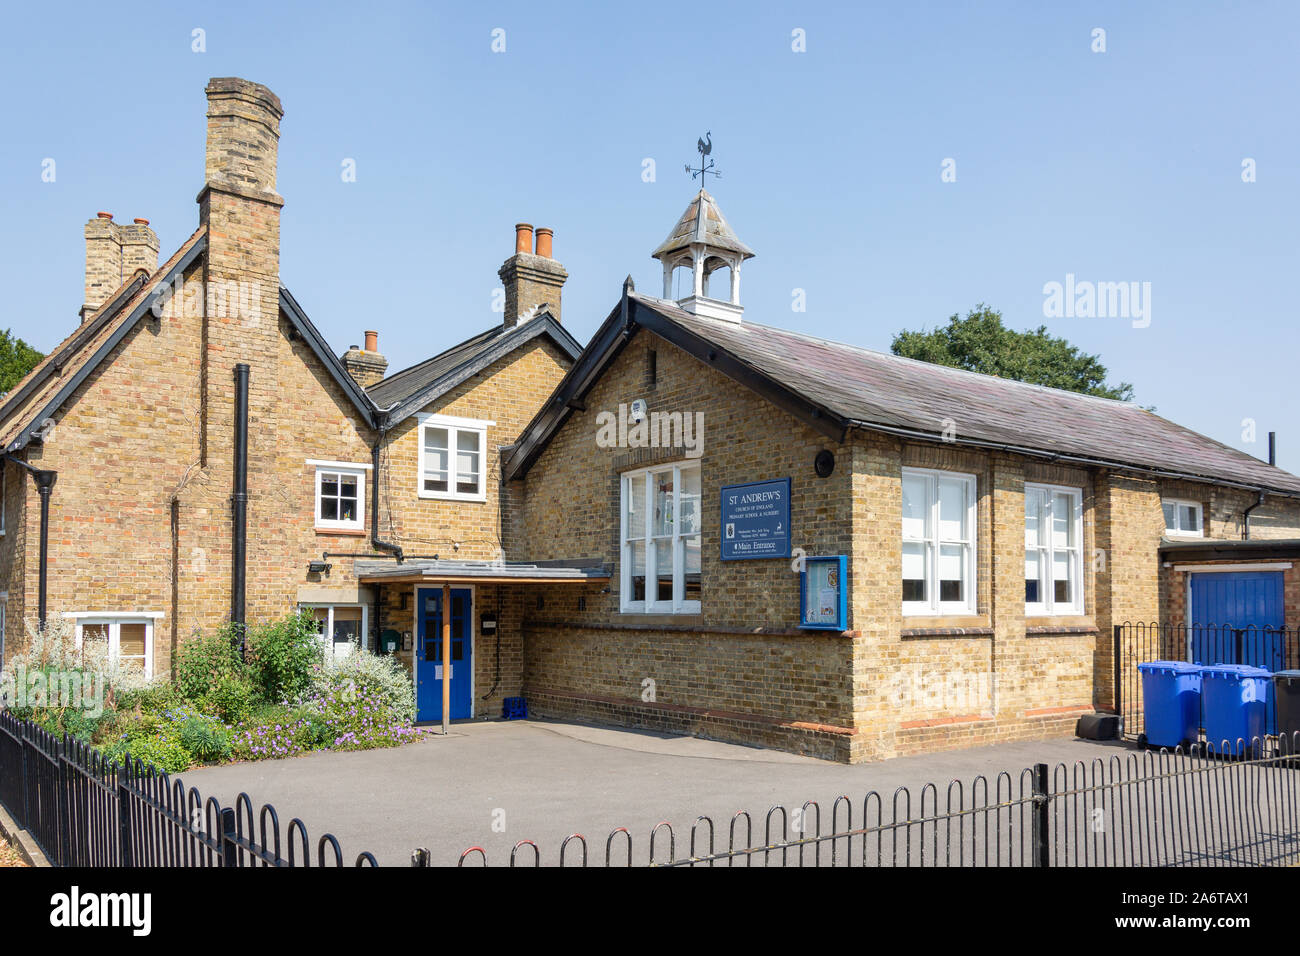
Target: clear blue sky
<point>1115,166</point>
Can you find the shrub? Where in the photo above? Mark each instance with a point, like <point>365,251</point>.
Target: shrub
<point>361,721</point>
<point>231,696</point>
<point>205,738</point>
<point>166,753</point>
<point>154,698</point>
<point>89,669</point>
<point>274,732</point>
<point>374,677</point>
<point>205,659</point>
<point>284,655</point>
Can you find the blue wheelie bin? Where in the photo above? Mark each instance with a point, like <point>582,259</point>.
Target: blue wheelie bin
<point>1237,699</point>
<point>1171,695</point>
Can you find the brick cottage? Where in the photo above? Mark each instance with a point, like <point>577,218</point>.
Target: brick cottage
<point>580,514</point>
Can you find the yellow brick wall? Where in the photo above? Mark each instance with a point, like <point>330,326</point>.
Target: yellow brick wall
<point>741,669</point>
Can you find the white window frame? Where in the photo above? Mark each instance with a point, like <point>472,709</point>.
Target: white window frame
<point>933,606</point>
<point>1047,552</point>
<point>1179,504</point>
<point>678,604</point>
<point>4,608</point>
<point>327,639</point>
<point>454,426</point>
<point>4,489</point>
<point>340,469</point>
<point>114,620</point>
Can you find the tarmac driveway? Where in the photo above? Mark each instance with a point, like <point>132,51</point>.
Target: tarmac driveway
<point>492,784</point>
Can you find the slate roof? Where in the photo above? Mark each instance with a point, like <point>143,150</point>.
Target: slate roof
<point>47,387</point>
<point>406,392</point>
<point>702,222</point>
<point>835,386</point>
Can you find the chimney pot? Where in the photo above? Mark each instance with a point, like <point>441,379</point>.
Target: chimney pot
<point>531,281</point>
<point>544,237</point>
<point>366,367</point>
<point>105,215</point>
<point>142,222</point>
<point>523,237</point>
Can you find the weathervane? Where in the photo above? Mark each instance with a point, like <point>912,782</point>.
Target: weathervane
<point>704,147</point>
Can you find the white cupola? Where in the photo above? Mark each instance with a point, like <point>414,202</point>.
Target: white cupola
<point>703,243</point>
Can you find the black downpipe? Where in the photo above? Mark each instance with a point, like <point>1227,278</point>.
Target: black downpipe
<point>239,507</point>
<point>1245,517</point>
<point>45,480</point>
<point>375,541</point>
<point>45,486</point>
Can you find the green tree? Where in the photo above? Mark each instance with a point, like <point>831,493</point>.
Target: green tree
<point>981,343</point>
<point>17,358</point>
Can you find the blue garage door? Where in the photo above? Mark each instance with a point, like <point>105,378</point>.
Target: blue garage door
<point>1237,618</point>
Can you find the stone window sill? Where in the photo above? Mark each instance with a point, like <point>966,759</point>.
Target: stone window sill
<point>977,630</point>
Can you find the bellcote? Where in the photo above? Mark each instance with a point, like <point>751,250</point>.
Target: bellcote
<point>703,243</point>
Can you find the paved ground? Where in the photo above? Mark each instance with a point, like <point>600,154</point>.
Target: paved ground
<point>545,780</point>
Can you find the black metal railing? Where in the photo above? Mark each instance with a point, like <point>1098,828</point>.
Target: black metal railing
<point>83,810</point>
<point>1228,806</point>
<point>1273,648</point>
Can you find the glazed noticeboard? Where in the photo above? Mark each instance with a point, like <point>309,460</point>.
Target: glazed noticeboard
<point>823,593</point>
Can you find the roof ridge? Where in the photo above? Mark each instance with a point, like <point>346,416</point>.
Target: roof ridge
<point>947,368</point>
<point>437,355</point>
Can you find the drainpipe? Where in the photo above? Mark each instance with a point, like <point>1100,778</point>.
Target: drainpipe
<point>239,506</point>
<point>1245,517</point>
<point>375,541</point>
<point>44,486</point>
<point>45,480</point>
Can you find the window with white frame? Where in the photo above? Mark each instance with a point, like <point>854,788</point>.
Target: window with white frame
<point>453,456</point>
<point>340,495</point>
<point>342,627</point>
<point>938,542</point>
<point>1053,550</point>
<point>660,537</point>
<point>4,598</point>
<point>129,636</point>
<point>1182,517</point>
<point>4,467</point>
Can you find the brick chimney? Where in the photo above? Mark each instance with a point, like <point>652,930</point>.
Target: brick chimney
<point>113,254</point>
<point>240,273</point>
<point>103,262</point>
<point>532,279</point>
<point>366,365</point>
<point>139,248</point>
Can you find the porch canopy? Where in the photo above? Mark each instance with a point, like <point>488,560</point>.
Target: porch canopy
<point>416,571</point>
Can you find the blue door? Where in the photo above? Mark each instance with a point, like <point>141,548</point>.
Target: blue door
<point>1237,618</point>
<point>428,681</point>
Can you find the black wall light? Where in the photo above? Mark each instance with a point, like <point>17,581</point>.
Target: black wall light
<point>824,463</point>
<point>318,567</point>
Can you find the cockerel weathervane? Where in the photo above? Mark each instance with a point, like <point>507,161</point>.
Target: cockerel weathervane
<point>704,147</point>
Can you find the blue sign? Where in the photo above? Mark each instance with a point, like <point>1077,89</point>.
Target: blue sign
<point>756,520</point>
<point>824,593</point>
